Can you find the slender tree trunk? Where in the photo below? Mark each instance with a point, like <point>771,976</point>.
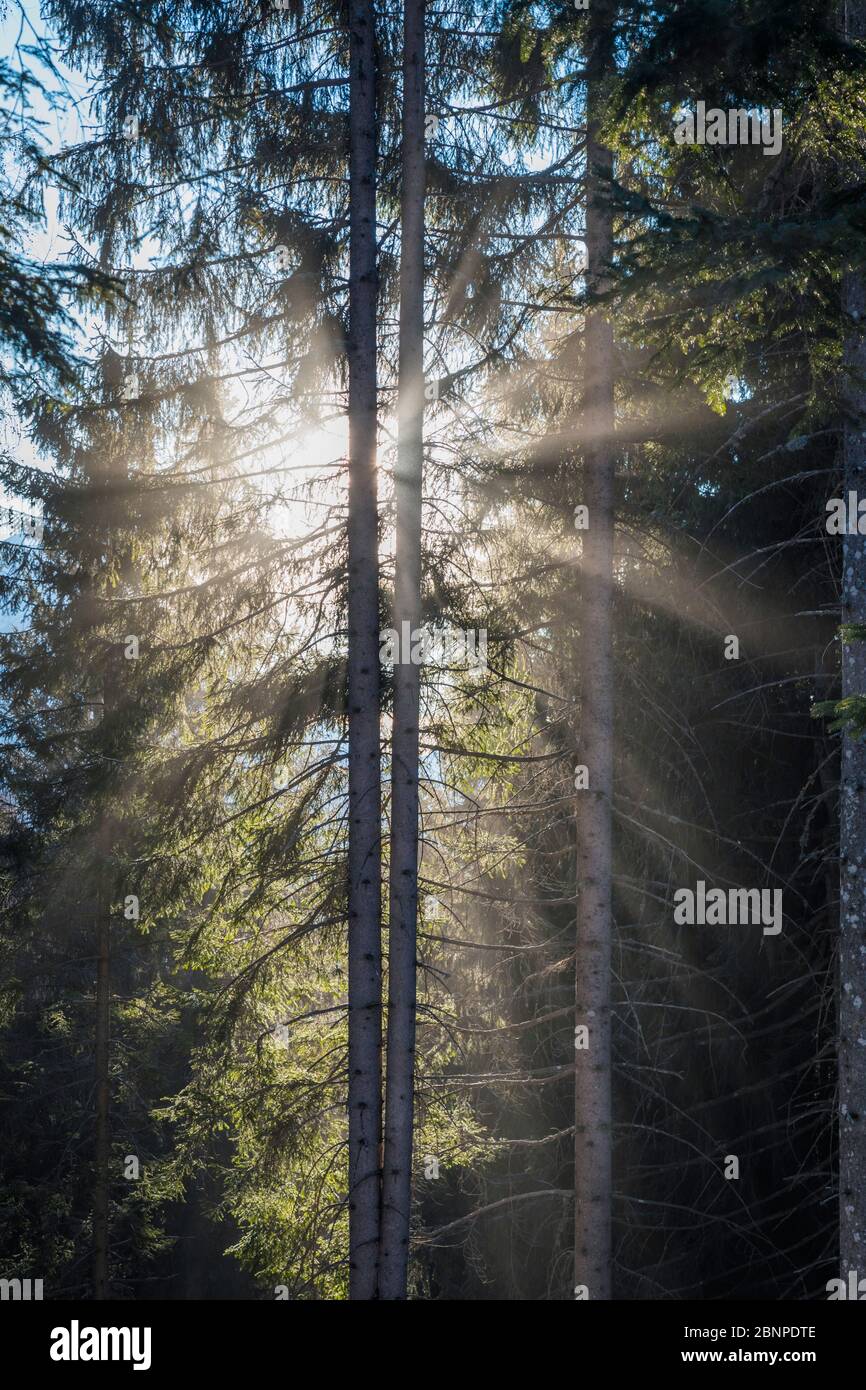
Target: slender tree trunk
<point>402,929</point>
<point>852,839</point>
<point>104,835</point>
<point>364,887</point>
<point>852,811</point>
<point>103,1096</point>
<point>592,1083</point>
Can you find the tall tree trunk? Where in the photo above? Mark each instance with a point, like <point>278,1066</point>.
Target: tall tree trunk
<point>364,886</point>
<point>592,1081</point>
<point>852,811</point>
<point>104,837</point>
<point>403,907</point>
<point>103,1096</point>
<point>852,832</point>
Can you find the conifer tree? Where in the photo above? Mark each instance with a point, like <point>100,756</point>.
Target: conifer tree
<point>852,974</point>
<point>362,694</point>
<point>404,835</point>
<point>593,1118</point>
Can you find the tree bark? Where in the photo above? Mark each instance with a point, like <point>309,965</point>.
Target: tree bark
<point>592,1082</point>
<point>364,867</point>
<point>852,809</point>
<point>103,1097</point>
<point>403,906</point>
<point>104,831</point>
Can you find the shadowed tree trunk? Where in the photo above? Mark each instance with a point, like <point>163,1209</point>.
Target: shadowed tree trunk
<point>103,1096</point>
<point>106,837</point>
<point>104,833</point>
<point>592,1082</point>
<point>364,887</point>
<point>399,1094</point>
<point>852,812</point>
<point>852,840</point>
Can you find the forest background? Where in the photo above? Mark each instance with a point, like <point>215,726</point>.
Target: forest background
<point>316,317</point>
